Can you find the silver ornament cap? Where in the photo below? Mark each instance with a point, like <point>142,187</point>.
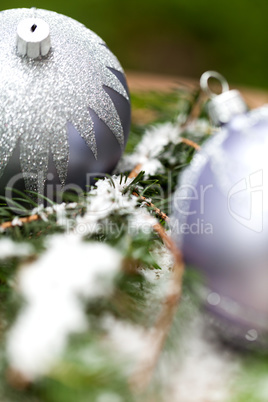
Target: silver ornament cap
<point>33,38</point>
<point>223,107</point>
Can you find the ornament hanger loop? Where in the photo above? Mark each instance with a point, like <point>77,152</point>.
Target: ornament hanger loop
<point>205,85</point>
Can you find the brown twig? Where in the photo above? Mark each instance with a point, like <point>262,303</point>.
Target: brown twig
<point>134,173</point>
<point>28,219</point>
<point>190,143</point>
<point>196,106</point>
<point>158,211</point>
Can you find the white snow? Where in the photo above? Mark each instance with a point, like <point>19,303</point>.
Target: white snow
<point>153,143</point>
<point>9,249</point>
<point>53,287</point>
<point>147,151</point>
<point>16,221</point>
<point>141,221</point>
<point>106,199</point>
<point>128,339</point>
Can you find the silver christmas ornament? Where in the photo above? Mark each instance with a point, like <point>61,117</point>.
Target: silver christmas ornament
<point>221,219</point>
<point>64,103</point>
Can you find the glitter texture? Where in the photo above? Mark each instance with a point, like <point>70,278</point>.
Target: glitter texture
<point>39,97</point>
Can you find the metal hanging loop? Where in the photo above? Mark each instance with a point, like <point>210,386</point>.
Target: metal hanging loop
<point>224,106</point>
<point>204,83</point>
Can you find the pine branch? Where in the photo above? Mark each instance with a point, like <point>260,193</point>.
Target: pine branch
<point>135,293</point>
<point>159,333</point>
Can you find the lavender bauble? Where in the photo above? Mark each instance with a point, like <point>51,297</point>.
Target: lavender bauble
<point>221,225</point>
<point>64,103</point>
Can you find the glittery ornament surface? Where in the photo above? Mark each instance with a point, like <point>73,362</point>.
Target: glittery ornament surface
<point>38,98</point>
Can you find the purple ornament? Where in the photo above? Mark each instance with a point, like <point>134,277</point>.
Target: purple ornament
<point>221,220</point>
<point>64,104</point>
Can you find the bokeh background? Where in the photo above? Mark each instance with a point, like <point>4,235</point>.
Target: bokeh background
<point>181,37</point>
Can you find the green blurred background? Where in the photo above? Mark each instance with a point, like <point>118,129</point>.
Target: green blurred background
<point>182,37</point>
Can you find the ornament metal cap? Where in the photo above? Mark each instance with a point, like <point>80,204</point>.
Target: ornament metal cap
<point>223,107</point>
<point>33,38</point>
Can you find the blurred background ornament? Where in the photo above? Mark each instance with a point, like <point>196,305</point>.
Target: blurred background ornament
<point>64,103</point>
<point>221,217</point>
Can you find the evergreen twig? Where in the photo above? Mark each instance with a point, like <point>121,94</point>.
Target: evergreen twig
<point>142,377</point>
<point>158,335</point>
<point>135,290</point>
